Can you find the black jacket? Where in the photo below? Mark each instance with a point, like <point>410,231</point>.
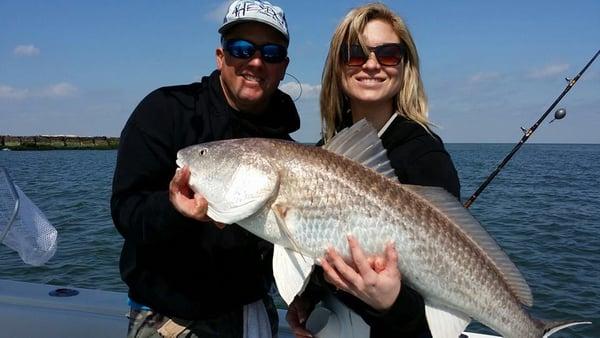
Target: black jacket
<point>419,158</point>
<point>177,266</point>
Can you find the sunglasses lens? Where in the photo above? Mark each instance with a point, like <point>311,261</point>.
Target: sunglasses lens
<point>273,53</point>
<point>355,56</point>
<point>242,49</point>
<point>389,55</point>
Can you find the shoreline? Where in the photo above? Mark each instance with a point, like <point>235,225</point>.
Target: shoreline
<point>42,142</point>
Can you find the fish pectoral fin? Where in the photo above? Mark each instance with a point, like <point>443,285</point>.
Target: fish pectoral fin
<point>291,271</point>
<point>445,323</point>
<point>283,217</point>
<point>290,268</point>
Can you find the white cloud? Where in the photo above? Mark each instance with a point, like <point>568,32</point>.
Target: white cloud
<point>548,71</point>
<point>483,77</point>
<point>8,92</point>
<point>218,13</point>
<point>26,50</point>
<point>308,91</point>
<point>58,90</point>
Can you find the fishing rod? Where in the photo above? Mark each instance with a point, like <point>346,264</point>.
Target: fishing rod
<point>559,114</point>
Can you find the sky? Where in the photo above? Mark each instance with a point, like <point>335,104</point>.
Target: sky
<point>489,67</point>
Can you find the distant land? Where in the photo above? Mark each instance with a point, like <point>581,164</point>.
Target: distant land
<point>57,142</point>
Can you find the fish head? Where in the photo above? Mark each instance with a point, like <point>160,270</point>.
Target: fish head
<point>232,175</point>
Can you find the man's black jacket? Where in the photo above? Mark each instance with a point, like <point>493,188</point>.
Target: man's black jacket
<point>172,264</point>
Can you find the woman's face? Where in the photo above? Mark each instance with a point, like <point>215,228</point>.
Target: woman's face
<point>373,83</point>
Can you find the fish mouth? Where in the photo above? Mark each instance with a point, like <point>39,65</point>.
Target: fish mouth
<point>180,162</point>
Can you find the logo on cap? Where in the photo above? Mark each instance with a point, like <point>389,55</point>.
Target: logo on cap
<point>255,10</point>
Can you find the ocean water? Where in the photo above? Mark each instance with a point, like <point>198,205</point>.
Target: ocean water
<point>543,209</point>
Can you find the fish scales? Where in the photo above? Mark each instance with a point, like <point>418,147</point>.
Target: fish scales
<point>419,231</point>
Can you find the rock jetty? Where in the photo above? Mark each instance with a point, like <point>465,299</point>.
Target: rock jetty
<point>53,142</point>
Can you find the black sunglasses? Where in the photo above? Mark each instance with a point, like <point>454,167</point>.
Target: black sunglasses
<point>388,54</point>
<point>244,49</point>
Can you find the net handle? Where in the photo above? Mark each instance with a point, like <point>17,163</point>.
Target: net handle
<point>12,189</point>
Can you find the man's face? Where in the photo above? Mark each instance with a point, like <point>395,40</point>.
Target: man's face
<point>249,83</point>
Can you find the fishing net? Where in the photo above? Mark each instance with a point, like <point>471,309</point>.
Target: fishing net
<point>23,226</point>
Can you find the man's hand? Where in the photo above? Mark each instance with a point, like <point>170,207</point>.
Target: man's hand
<point>187,202</point>
<point>374,280</point>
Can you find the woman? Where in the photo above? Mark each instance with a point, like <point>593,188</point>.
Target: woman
<point>372,72</point>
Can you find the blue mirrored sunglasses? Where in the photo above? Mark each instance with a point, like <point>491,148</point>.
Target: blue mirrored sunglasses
<point>244,49</point>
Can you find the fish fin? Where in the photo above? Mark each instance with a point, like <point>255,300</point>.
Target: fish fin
<point>281,212</point>
<point>291,271</point>
<point>249,190</point>
<point>361,144</point>
<point>444,323</point>
<point>552,327</point>
<point>465,222</point>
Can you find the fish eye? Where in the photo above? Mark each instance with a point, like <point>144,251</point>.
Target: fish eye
<point>203,151</point>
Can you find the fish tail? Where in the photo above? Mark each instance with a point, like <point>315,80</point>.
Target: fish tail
<point>551,327</point>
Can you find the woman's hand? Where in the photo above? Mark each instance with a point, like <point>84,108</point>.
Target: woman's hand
<point>374,280</point>
<point>187,202</point>
<point>297,314</point>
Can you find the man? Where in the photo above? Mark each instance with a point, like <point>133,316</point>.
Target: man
<point>188,276</point>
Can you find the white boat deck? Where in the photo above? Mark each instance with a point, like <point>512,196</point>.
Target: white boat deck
<point>27,310</point>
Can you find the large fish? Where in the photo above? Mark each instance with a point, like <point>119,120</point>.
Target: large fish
<point>305,199</point>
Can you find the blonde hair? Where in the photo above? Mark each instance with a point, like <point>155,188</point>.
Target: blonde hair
<point>410,102</point>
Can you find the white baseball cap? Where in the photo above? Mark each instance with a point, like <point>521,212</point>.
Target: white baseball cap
<point>255,10</point>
